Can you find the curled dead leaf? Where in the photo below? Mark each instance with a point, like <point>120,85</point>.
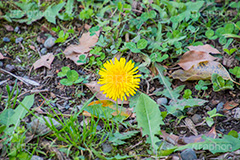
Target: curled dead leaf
<point>230,105</point>
<point>44,61</point>
<point>85,43</point>
<point>191,58</point>
<point>179,141</point>
<point>202,71</point>
<point>205,48</point>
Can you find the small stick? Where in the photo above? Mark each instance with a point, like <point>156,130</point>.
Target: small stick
<point>21,78</point>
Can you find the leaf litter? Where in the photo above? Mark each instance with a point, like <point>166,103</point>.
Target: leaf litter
<point>85,43</point>
<point>200,65</point>
<point>44,61</point>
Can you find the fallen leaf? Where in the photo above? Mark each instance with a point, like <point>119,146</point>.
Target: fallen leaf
<point>32,47</point>
<point>193,139</point>
<point>95,87</point>
<point>230,105</point>
<point>188,122</point>
<point>205,48</point>
<point>191,58</point>
<point>44,61</point>
<point>107,103</point>
<point>1,56</point>
<point>86,42</point>
<point>203,70</point>
<point>9,28</point>
<point>180,141</point>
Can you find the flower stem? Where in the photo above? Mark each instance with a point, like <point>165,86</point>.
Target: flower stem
<point>117,106</point>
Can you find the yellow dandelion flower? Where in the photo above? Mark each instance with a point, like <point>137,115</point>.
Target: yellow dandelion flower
<point>119,79</point>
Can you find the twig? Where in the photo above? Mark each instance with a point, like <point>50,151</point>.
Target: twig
<point>131,147</point>
<point>24,80</point>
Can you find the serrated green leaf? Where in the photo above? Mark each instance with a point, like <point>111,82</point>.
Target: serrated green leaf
<point>168,91</point>
<point>225,144</point>
<point>52,11</point>
<point>99,111</point>
<point>183,103</point>
<point>174,93</point>
<point>148,118</point>
<point>117,138</point>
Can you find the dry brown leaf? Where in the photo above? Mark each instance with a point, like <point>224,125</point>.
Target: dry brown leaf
<point>86,42</point>
<point>205,48</point>
<point>202,71</point>
<point>1,56</point>
<point>191,58</point>
<point>188,122</point>
<point>193,139</point>
<point>9,28</point>
<point>44,61</point>
<point>179,141</point>
<point>95,87</point>
<point>230,105</point>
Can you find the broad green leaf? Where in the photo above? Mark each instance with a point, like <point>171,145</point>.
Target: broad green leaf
<point>209,33</point>
<point>220,84</point>
<point>167,84</point>
<point>225,144</point>
<point>171,93</point>
<point>132,46</point>
<point>235,71</point>
<point>2,128</point>
<point>124,112</point>
<point>5,116</point>
<point>209,121</point>
<point>66,82</point>
<point>63,72</point>
<point>233,133</point>
<point>184,103</point>
<point>72,75</point>
<point>117,138</point>
<point>149,118</point>
<point>52,11</point>
<point>229,28</point>
<point>20,112</point>
<point>99,111</point>
<point>142,43</point>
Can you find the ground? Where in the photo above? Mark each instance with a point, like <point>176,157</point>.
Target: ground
<point>149,35</point>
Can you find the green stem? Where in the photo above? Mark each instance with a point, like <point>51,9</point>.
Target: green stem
<point>117,106</point>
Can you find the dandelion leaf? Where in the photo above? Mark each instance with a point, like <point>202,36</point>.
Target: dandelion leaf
<point>168,91</point>
<point>118,138</point>
<point>225,144</point>
<point>184,103</point>
<point>105,109</point>
<point>203,70</point>
<point>148,118</point>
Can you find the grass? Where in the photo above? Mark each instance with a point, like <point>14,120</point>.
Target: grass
<point>148,33</point>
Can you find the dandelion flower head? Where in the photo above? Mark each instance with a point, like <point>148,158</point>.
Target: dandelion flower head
<point>119,79</point>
